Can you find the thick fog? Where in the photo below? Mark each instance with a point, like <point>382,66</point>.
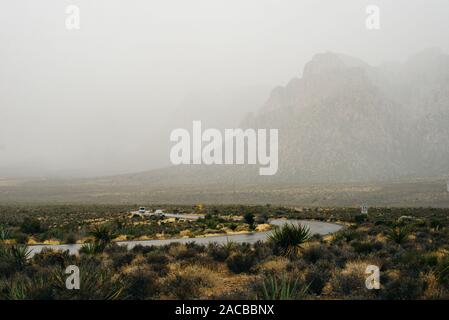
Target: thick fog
<point>102,99</point>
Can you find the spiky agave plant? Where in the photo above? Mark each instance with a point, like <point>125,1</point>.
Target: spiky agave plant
<point>229,246</point>
<point>398,234</point>
<point>289,238</point>
<point>4,234</point>
<point>92,248</point>
<point>102,235</point>
<point>282,288</point>
<point>96,283</point>
<point>20,254</point>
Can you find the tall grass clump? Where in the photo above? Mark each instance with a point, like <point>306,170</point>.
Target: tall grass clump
<point>282,288</point>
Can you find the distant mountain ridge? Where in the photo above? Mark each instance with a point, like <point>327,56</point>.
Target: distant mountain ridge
<point>342,122</point>
<point>345,121</point>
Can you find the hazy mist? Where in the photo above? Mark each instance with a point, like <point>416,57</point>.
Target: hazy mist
<point>102,100</point>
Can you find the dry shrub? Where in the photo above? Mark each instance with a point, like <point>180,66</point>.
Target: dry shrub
<point>274,266</point>
<point>318,275</point>
<point>176,249</point>
<point>188,283</point>
<point>241,262</point>
<point>433,288</point>
<point>140,283</point>
<point>349,282</point>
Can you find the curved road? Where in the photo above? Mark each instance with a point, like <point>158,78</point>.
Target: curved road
<point>316,227</point>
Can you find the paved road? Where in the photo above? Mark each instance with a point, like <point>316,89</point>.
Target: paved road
<point>316,227</point>
<point>173,215</point>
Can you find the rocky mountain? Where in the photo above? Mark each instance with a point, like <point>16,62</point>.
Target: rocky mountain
<point>345,121</point>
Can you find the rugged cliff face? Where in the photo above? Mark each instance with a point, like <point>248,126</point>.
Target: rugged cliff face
<point>345,121</point>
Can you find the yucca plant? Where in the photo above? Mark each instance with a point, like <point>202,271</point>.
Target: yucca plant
<point>103,237</point>
<point>19,254</point>
<point>398,234</point>
<point>96,283</point>
<point>92,248</point>
<point>4,234</point>
<point>289,238</point>
<point>102,234</point>
<point>282,288</point>
<point>229,246</point>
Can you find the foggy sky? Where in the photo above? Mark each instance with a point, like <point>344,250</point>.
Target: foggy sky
<point>103,99</point>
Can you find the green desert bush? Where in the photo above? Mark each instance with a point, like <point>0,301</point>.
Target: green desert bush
<point>196,247</point>
<point>158,262</point>
<point>249,219</point>
<point>121,259</point>
<point>53,258</point>
<point>140,249</point>
<point>70,238</point>
<point>403,288</point>
<point>20,237</point>
<point>346,236</point>
<point>115,248</point>
<point>263,250</point>
<point>189,254</point>
<point>363,247</point>
<point>314,253</point>
<point>219,252</point>
<point>360,218</point>
<point>31,226</point>
<point>7,264</point>
<point>92,248</point>
<point>157,258</point>
<point>262,218</point>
